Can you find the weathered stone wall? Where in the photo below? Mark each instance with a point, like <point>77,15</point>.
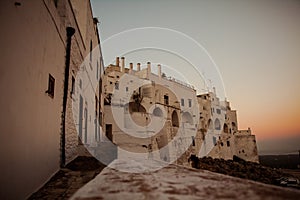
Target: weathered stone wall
<point>35,45</point>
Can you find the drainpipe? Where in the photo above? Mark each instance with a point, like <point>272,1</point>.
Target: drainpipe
<point>70,33</point>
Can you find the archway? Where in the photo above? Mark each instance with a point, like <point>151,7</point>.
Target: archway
<point>187,118</point>
<point>158,112</point>
<point>175,120</point>
<point>217,124</point>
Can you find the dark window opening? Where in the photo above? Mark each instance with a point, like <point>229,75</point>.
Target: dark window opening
<point>166,99</point>
<point>73,85</point>
<point>190,102</point>
<point>91,49</point>
<point>108,131</point>
<point>193,141</point>
<point>51,85</point>
<point>126,89</point>
<point>218,111</point>
<point>55,3</point>
<point>228,143</point>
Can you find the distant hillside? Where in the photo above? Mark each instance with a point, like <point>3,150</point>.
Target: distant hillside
<point>280,161</point>
<point>279,146</point>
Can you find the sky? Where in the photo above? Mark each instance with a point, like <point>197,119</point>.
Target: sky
<point>254,44</point>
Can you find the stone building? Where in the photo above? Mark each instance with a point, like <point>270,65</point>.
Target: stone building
<point>44,44</point>
<point>150,115</point>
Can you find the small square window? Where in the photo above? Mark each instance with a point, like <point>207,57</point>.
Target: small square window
<point>51,85</point>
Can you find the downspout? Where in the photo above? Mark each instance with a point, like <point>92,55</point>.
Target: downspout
<point>70,33</point>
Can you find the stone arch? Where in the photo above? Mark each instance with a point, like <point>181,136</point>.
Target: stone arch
<point>217,124</point>
<point>225,128</point>
<point>158,112</point>
<point>175,120</point>
<point>187,118</point>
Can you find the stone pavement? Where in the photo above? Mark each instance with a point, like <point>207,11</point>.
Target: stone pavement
<point>68,180</point>
<point>176,182</point>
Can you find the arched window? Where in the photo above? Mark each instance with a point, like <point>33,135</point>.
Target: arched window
<point>175,120</point>
<point>157,112</point>
<point>217,124</point>
<point>225,128</point>
<point>187,118</point>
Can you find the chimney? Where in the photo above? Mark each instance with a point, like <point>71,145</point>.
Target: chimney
<point>130,67</point>
<point>159,70</point>
<point>214,90</point>
<point>123,64</point>
<point>117,61</point>
<point>148,68</point>
<point>138,67</point>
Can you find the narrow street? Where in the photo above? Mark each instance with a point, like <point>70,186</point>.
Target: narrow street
<point>69,179</point>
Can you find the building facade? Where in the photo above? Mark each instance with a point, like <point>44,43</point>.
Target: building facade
<point>44,45</point>
<point>152,115</point>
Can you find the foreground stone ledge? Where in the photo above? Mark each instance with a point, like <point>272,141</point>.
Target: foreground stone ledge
<point>176,182</point>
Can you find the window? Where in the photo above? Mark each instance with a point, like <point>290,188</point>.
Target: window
<point>182,102</point>
<point>217,124</point>
<point>51,85</point>
<point>55,3</point>
<point>228,143</point>
<point>190,102</point>
<point>218,111</point>
<point>73,85</point>
<point>214,140</point>
<point>166,99</point>
<point>126,89</point>
<point>193,141</point>
<point>91,49</point>
<point>117,85</point>
<point>96,104</point>
<point>97,74</point>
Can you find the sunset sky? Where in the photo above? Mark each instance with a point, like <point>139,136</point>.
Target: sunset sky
<point>255,44</point>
